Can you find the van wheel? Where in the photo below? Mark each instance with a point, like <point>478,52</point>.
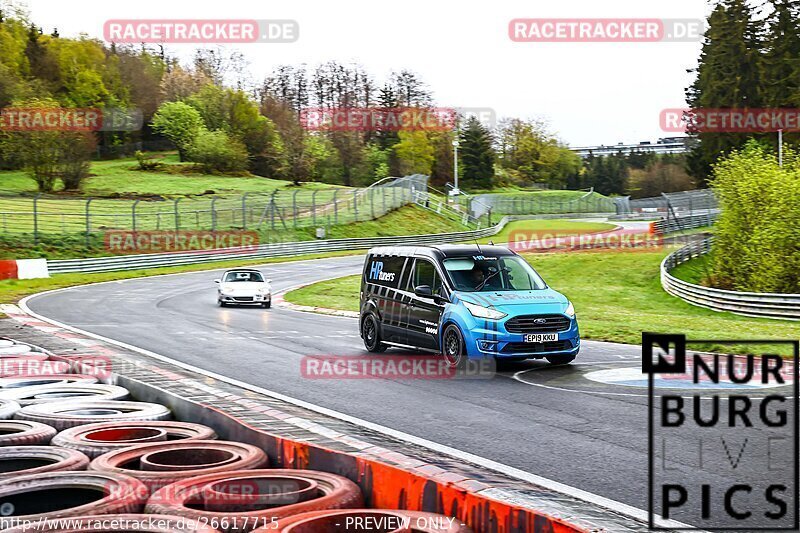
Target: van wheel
<point>560,359</point>
<point>371,332</point>
<point>267,305</point>
<point>221,303</point>
<point>453,349</point>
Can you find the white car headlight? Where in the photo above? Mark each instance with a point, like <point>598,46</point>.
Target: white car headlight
<point>479,311</point>
<point>570,311</point>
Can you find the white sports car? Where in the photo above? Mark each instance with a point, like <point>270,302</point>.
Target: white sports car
<point>244,286</point>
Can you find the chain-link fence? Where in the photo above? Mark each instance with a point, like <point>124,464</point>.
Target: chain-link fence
<point>541,203</point>
<point>670,204</point>
<point>38,216</point>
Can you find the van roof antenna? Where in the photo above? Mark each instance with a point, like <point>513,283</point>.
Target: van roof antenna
<point>479,246</point>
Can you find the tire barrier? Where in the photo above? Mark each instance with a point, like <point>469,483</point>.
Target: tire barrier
<point>25,433</point>
<point>64,392</point>
<point>97,439</point>
<point>123,523</point>
<point>372,520</point>
<point>11,367</point>
<point>8,408</point>
<point>28,380</point>
<point>15,350</point>
<point>54,495</point>
<point>26,460</point>
<point>243,500</point>
<point>160,464</point>
<point>63,415</point>
<point>28,355</point>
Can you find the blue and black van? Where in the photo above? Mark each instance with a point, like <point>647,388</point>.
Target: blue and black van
<point>464,301</point>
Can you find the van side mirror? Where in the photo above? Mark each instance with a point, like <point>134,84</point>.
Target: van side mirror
<point>269,280</point>
<point>216,281</point>
<point>424,291</point>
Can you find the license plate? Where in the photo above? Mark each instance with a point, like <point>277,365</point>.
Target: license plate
<point>540,337</point>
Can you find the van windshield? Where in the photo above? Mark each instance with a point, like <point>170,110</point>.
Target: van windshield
<point>483,274</point>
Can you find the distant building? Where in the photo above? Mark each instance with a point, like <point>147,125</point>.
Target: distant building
<point>665,145</point>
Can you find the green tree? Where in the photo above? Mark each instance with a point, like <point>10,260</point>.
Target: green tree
<point>729,75</point>
<point>757,238</point>
<point>414,152</point>
<point>180,123</point>
<point>216,151</point>
<point>476,156</point>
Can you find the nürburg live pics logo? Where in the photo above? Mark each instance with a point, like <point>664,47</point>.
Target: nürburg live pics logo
<point>722,435</point>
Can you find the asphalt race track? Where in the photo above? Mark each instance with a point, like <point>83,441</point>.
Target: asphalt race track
<point>587,432</point>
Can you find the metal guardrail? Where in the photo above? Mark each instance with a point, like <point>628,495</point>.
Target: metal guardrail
<point>692,221</point>
<point>755,304</point>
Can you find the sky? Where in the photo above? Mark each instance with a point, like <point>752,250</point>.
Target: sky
<point>588,93</point>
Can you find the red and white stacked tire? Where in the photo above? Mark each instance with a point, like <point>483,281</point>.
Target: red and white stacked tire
<point>161,463</point>
<point>244,500</point>
<point>363,520</point>
<point>8,408</point>
<point>63,415</point>
<point>123,523</point>
<point>54,495</point>
<point>33,380</point>
<point>96,439</point>
<point>25,433</point>
<point>38,394</point>
<point>28,460</point>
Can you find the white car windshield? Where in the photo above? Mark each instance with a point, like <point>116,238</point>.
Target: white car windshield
<point>505,273</point>
<point>233,277</point>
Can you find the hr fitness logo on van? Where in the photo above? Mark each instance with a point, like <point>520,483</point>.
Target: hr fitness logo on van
<point>376,272</point>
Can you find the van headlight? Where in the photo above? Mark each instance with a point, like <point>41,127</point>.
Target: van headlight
<point>570,311</point>
<point>479,311</point>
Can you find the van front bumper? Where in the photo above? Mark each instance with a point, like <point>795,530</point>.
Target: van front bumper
<point>497,342</point>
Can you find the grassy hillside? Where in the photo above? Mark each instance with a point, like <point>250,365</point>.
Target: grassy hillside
<point>120,177</point>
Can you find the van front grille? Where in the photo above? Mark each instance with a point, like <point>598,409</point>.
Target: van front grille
<point>537,324</point>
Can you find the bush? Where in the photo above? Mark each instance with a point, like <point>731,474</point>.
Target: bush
<point>147,162</point>
<point>215,151</point>
<point>75,159</point>
<point>757,243</point>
